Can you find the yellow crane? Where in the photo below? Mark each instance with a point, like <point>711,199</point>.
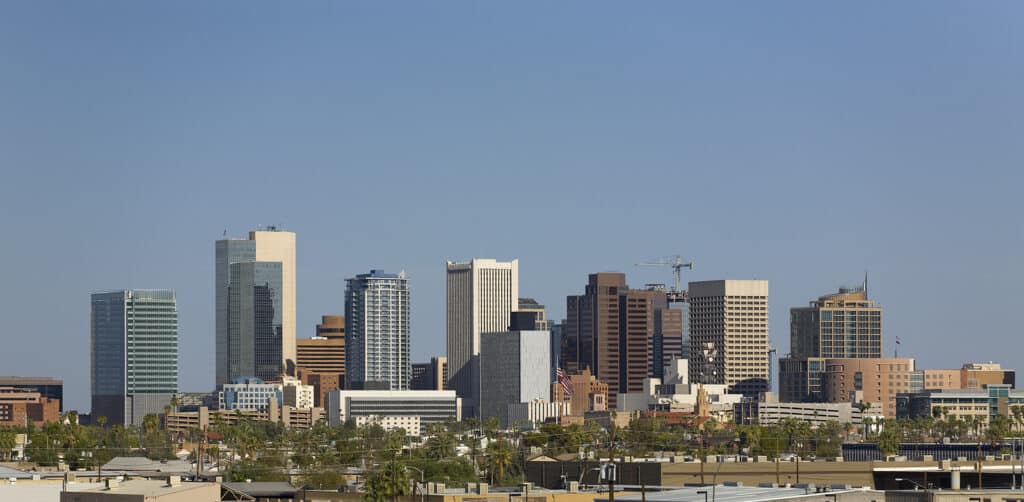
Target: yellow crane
<point>676,294</point>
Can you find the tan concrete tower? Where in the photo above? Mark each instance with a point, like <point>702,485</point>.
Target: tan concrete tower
<point>278,246</point>
<point>729,334</point>
<point>481,296</point>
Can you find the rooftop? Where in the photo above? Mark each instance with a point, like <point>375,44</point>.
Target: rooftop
<point>723,494</point>
<point>144,487</point>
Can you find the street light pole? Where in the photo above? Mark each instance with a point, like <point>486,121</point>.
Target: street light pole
<point>422,484</point>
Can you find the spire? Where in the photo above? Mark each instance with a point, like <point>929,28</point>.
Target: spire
<point>865,283</point>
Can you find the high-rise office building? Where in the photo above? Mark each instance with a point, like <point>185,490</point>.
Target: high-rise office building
<point>481,295</point>
<point>622,335</point>
<point>729,334</point>
<point>842,325</point>
<point>255,312</point>
<point>133,353</point>
<point>377,332</point>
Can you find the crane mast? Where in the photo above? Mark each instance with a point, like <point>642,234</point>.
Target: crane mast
<point>676,294</point>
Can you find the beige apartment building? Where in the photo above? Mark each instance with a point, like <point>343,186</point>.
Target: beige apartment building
<point>880,380</point>
<point>729,334</point>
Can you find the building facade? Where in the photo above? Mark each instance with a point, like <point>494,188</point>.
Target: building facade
<point>20,407</point>
<point>133,353</point>
<point>255,311</point>
<point>431,407</point>
<point>324,353</point>
<point>621,335</point>
<point>880,380</point>
<point>514,368</point>
<point>50,388</point>
<point>769,411</point>
<point>844,325</point>
<point>979,375</point>
<point>586,393</point>
<point>251,394</point>
<point>430,376</point>
<point>481,296</point>
<point>377,332</point>
<point>964,404</point>
<point>729,334</point>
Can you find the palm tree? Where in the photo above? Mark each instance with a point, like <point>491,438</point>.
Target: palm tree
<point>499,457</point>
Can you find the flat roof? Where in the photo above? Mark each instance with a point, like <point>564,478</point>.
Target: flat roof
<point>722,494</point>
<point>41,492</point>
<point>144,487</point>
<point>30,380</point>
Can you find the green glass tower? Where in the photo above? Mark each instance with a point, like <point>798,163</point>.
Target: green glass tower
<point>133,353</point>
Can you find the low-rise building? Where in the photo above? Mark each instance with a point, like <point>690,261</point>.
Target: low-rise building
<point>430,406</point>
<point>768,410</point>
<point>202,418</point>
<point>963,404</point>
<point>50,388</point>
<point>675,393</point>
<point>20,407</point>
<point>255,394</point>
<point>536,411</point>
<point>880,380</point>
<point>582,391</point>
<point>979,375</point>
<point>143,490</point>
<point>250,394</point>
<point>408,423</point>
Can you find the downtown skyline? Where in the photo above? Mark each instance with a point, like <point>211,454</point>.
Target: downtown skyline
<point>801,144</point>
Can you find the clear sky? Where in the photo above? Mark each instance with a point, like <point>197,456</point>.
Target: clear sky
<point>800,142</point>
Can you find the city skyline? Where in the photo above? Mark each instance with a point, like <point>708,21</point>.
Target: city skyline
<point>798,143</point>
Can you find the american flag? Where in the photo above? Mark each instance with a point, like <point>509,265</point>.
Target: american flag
<point>564,380</point>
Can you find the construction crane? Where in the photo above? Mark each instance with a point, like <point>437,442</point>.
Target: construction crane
<point>676,294</point>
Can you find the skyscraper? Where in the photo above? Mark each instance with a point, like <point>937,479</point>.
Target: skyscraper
<point>622,335</point>
<point>844,325</point>
<point>729,334</point>
<point>377,332</point>
<point>481,295</point>
<point>133,353</point>
<point>255,314</point>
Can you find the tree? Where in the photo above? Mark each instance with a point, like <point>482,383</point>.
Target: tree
<point>388,482</point>
<point>8,441</point>
<point>889,438</point>
<point>499,457</point>
<point>998,428</point>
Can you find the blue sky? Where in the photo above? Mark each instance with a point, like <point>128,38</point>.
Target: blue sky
<point>799,142</point>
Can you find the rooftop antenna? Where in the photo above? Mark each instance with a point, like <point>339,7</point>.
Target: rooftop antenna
<point>865,283</point>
